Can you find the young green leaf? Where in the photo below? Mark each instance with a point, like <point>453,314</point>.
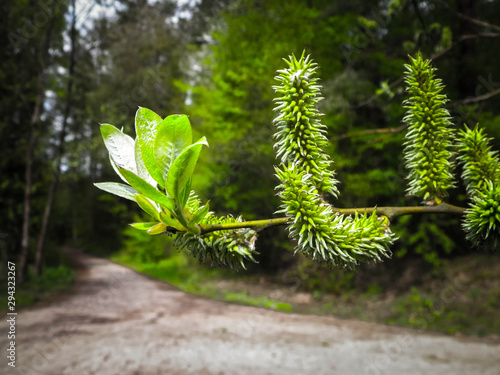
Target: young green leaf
<point>120,147</point>
<point>118,189</point>
<point>147,206</point>
<point>147,190</point>
<point>143,226</point>
<point>146,127</point>
<point>116,169</point>
<point>142,171</point>
<point>185,194</point>
<point>182,168</point>
<point>171,222</point>
<point>200,214</point>
<point>157,229</point>
<point>174,134</point>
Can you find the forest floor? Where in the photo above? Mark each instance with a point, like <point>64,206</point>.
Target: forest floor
<point>116,321</point>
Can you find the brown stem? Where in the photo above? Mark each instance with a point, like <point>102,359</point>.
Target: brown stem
<point>479,98</point>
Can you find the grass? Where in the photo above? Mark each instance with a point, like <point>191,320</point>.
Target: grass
<point>200,280</point>
<point>464,298</point>
<point>52,281</point>
<point>260,301</point>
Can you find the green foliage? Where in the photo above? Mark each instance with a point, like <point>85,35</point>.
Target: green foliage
<point>140,248</point>
<point>121,190</point>
<point>429,238</point>
<point>53,280</point>
<point>56,278</point>
<point>244,298</point>
<point>428,141</point>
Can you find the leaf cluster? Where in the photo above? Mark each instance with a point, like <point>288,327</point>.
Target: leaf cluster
<point>157,167</point>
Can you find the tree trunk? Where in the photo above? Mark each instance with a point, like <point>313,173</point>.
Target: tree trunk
<point>60,147</point>
<point>25,238</point>
<point>42,56</point>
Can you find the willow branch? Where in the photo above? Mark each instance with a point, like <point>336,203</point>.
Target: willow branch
<point>390,212</point>
<point>432,57</point>
<point>470,19</point>
<point>370,131</point>
<point>375,96</point>
<point>257,225</point>
<point>479,98</point>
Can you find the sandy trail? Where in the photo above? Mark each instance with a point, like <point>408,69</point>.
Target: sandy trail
<point>120,322</point>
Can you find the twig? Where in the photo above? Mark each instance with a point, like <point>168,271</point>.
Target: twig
<point>390,212</point>
<point>433,57</point>
<point>419,15</point>
<point>479,98</point>
<point>468,18</point>
<point>258,225</point>
<point>370,131</point>
<point>375,96</point>
<point>479,35</point>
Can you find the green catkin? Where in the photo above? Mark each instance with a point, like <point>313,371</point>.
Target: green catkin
<point>481,174</point>
<point>221,248</point>
<point>300,138</point>
<point>479,162</point>
<point>428,146</point>
<point>323,235</point>
<point>482,219</point>
<point>305,174</point>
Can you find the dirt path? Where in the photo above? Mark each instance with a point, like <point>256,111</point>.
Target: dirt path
<point>120,322</point>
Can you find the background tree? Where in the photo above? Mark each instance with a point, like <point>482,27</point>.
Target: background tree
<point>360,49</point>
<point>31,31</point>
<point>215,61</point>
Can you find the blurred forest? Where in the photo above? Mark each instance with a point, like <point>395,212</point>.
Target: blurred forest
<point>68,65</point>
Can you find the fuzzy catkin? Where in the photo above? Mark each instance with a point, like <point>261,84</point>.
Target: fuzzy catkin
<point>305,174</point>
<point>428,147</point>
<point>300,136</point>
